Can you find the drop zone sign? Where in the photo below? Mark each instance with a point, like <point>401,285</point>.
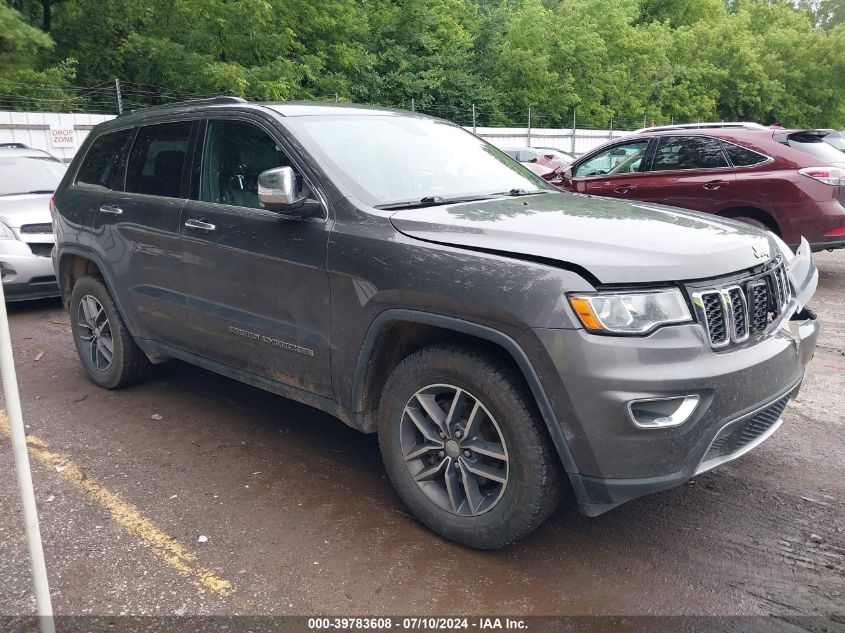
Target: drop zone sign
<point>63,136</point>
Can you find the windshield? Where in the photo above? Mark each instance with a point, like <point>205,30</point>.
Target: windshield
<point>25,174</point>
<point>388,160</point>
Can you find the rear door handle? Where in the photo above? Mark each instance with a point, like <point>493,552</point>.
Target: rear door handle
<point>111,209</point>
<point>714,184</point>
<point>202,225</point>
<point>625,189</point>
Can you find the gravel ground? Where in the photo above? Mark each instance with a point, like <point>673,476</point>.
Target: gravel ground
<point>299,518</point>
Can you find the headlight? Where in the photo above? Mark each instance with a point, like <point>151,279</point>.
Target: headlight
<point>630,312</point>
<point>6,233</point>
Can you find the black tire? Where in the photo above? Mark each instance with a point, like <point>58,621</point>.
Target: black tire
<point>128,364</point>
<point>533,472</point>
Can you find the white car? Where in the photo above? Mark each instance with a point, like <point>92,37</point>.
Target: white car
<point>28,178</point>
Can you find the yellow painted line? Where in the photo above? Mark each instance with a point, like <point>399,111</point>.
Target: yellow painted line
<point>126,515</point>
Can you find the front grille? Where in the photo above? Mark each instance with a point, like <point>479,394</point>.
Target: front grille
<point>737,437</point>
<point>41,250</point>
<point>733,312</point>
<point>30,229</point>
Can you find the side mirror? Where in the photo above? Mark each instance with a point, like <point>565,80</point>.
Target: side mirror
<point>279,191</point>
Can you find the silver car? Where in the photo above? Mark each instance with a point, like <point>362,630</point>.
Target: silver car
<point>28,178</point>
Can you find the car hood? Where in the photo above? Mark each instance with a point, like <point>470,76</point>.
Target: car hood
<point>25,208</point>
<point>616,241</point>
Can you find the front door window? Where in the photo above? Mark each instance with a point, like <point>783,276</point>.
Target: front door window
<point>235,153</point>
<point>619,159</point>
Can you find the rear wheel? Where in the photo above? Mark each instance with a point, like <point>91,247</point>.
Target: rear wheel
<point>104,345</point>
<point>465,447</point>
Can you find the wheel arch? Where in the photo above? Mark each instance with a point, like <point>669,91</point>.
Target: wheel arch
<point>395,334</point>
<point>752,212</point>
<point>73,264</point>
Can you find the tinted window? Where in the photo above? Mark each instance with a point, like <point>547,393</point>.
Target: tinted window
<point>102,162</point>
<point>690,152</point>
<point>157,158</point>
<point>619,159</point>
<point>742,156</point>
<point>235,153</point>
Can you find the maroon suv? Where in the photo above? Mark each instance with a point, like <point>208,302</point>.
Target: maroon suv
<point>788,181</point>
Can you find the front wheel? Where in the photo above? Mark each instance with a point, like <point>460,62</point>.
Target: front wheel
<point>465,447</point>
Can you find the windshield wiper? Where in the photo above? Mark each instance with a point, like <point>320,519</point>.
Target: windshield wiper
<point>430,201</point>
<point>523,192</point>
<point>42,191</point>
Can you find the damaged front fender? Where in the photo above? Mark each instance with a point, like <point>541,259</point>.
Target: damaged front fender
<point>803,275</point>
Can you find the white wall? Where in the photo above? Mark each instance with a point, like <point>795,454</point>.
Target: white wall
<point>561,138</point>
<point>33,129</point>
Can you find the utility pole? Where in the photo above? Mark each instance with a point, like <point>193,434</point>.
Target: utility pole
<point>572,148</point>
<point>413,108</point>
<point>610,138</point>
<point>473,118</point>
<point>529,126</point>
<point>119,97</point>
<point>336,98</point>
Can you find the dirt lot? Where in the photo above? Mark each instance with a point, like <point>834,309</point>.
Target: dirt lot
<point>300,518</point>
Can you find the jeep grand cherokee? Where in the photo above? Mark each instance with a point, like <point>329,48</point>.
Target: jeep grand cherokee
<point>504,339</point>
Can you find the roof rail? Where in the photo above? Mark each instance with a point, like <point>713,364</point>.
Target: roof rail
<point>746,125</point>
<point>220,100</point>
<point>15,145</point>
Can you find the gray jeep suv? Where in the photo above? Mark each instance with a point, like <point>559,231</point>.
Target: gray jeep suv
<point>506,340</point>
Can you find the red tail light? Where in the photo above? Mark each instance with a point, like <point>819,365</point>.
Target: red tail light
<point>836,233</point>
<point>54,211</point>
<point>828,175</point>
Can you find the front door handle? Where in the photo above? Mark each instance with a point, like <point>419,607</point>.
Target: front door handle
<point>202,225</point>
<point>111,209</point>
<point>714,184</point>
<point>625,189</point>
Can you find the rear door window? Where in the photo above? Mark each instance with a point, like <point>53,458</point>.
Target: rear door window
<point>101,166</point>
<point>688,152</point>
<point>158,158</point>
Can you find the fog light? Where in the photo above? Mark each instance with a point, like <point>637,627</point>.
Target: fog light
<point>662,413</point>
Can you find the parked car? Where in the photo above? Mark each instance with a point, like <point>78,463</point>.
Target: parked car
<point>552,153</point>
<point>835,138</point>
<point>541,161</point>
<point>787,181</point>
<point>504,339</point>
<point>28,178</point>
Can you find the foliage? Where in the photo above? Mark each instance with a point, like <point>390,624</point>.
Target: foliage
<point>629,60</point>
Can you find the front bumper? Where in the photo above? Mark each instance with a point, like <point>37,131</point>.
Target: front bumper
<point>26,275</point>
<point>595,377</point>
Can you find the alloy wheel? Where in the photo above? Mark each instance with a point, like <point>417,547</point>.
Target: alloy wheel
<point>95,333</point>
<point>454,450</point>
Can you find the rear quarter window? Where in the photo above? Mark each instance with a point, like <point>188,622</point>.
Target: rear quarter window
<point>101,165</point>
<point>742,156</point>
